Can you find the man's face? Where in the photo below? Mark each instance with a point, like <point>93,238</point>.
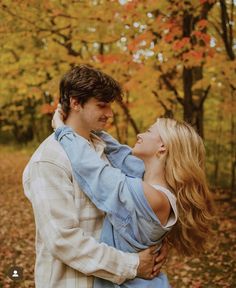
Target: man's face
<point>95,114</point>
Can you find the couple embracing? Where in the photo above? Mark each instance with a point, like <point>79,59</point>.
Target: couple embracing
<point>103,210</point>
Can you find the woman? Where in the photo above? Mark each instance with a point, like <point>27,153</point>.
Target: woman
<point>170,199</point>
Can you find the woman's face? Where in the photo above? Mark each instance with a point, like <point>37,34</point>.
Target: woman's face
<point>148,143</point>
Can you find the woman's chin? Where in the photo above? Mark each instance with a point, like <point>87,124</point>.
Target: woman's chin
<point>135,152</point>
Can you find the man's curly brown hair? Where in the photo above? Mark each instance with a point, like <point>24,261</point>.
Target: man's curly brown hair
<point>84,82</point>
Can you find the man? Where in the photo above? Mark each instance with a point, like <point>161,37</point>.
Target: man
<point>68,225</point>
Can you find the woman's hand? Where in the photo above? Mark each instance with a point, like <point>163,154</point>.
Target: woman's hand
<point>57,119</point>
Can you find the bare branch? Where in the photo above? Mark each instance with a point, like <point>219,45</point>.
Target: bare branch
<point>206,92</point>
<point>129,117</point>
<point>15,55</point>
<point>232,86</point>
<point>172,88</point>
<point>168,112</point>
<point>216,27</point>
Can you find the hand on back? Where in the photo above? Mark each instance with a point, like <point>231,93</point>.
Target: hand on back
<point>151,262</point>
<point>57,120</point>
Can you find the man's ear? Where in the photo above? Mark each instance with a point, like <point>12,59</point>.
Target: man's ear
<point>74,104</point>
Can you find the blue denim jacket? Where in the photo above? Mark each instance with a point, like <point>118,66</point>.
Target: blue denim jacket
<point>130,224</point>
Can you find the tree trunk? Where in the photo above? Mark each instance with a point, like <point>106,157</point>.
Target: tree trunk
<point>233,179</point>
<point>233,150</point>
<point>199,121</point>
<point>188,103</point>
<point>217,150</point>
<point>194,110</point>
<point>227,29</point>
<point>227,34</point>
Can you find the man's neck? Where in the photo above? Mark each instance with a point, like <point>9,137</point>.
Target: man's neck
<point>78,127</point>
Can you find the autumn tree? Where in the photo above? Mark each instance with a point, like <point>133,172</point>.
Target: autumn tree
<point>225,34</point>
<point>168,55</point>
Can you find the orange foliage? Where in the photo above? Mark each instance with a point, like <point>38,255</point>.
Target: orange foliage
<point>202,36</point>
<point>193,58</point>
<point>169,37</point>
<point>211,52</point>
<point>108,59</point>
<point>206,38</point>
<point>202,24</point>
<point>180,44</point>
<point>174,31</point>
<point>203,1</point>
<point>131,5</point>
<point>134,45</point>
<point>129,85</point>
<point>49,108</point>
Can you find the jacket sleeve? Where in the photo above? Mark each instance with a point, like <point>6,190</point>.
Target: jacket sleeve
<point>52,198</point>
<point>107,187</point>
<point>120,156</point>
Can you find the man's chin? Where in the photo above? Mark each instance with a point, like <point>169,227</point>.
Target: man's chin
<point>102,126</point>
<point>98,129</point>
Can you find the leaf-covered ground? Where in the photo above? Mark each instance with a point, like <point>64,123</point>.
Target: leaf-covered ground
<point>214,269</point>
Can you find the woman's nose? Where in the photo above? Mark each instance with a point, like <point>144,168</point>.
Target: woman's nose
<point>138,136</point>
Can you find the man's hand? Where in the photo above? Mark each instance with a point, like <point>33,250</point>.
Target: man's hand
<point>147,263</point>
<point>151,262</point>
<point>160,258</point>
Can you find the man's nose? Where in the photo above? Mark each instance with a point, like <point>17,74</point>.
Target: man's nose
<point>109,112</point>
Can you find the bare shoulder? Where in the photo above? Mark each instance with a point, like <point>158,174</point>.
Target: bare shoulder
<point>158,201</point>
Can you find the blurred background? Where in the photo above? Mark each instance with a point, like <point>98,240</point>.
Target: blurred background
<point>173,58</point>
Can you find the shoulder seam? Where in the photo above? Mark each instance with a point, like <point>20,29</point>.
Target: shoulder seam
<point>54,163</point>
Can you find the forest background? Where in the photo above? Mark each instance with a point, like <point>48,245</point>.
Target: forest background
<point>173,59</point>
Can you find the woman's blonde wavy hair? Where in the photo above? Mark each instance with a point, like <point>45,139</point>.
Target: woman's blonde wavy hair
<point>185,174</point>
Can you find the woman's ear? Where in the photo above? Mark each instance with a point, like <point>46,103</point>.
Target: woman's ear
<point>74,104</point>
<point>161,150</point>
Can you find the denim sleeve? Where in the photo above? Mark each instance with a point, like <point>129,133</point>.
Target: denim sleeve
<point>120,156</point>
<point>106,186</point>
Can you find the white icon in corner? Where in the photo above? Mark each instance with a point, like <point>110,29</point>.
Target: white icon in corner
<point>15,274</point>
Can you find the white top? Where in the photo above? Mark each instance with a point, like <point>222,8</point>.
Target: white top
<point>172,199</point>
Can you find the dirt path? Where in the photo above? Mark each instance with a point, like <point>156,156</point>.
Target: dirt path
<point>17,223</point>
